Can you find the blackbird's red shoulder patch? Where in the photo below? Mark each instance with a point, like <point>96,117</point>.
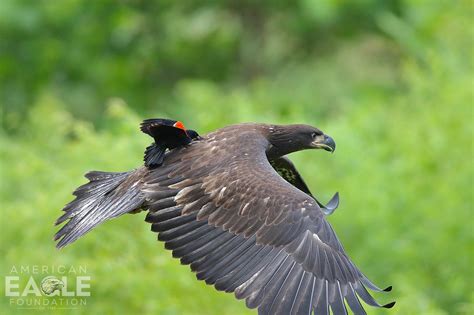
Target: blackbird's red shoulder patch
<point>179,125</point>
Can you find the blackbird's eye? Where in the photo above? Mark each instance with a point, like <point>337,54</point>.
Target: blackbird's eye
<point>313,135</point>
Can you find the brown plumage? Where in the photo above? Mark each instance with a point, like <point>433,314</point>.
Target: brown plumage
<point>235,209</point>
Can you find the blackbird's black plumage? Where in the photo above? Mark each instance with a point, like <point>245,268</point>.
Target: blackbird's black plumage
<point>234,208</point>
<point>168,134</point>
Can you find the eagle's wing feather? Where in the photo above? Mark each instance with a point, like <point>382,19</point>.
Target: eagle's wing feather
<point>286,169</point>
<point>244,229</point>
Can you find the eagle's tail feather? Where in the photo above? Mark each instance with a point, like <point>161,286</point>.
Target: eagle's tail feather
<point>105,196</point>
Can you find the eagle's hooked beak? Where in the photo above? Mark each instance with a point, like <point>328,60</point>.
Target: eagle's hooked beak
<point>324,142</point>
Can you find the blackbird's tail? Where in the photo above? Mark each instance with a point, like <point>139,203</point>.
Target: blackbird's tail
<point>154,154</point>
<point>105,196</point>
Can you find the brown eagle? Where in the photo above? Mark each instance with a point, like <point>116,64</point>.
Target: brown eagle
<point>234,208</point>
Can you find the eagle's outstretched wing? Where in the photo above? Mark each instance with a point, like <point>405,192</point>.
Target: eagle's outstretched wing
<point>245,229</point>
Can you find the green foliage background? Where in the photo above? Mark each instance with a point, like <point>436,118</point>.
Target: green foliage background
<point>391,81</point>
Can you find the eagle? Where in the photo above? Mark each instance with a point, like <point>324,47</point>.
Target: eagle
<point>232,206</point>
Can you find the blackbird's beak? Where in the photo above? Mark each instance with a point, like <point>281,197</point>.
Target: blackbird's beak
<point>324,142</point>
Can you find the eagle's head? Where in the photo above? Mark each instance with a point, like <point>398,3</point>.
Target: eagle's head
<point>285,139</point>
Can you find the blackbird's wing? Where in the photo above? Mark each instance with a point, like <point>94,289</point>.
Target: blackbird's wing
<point>159,128</point>
<point>244,229</point>
<point>168,134</point>
<point>286,169</point>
